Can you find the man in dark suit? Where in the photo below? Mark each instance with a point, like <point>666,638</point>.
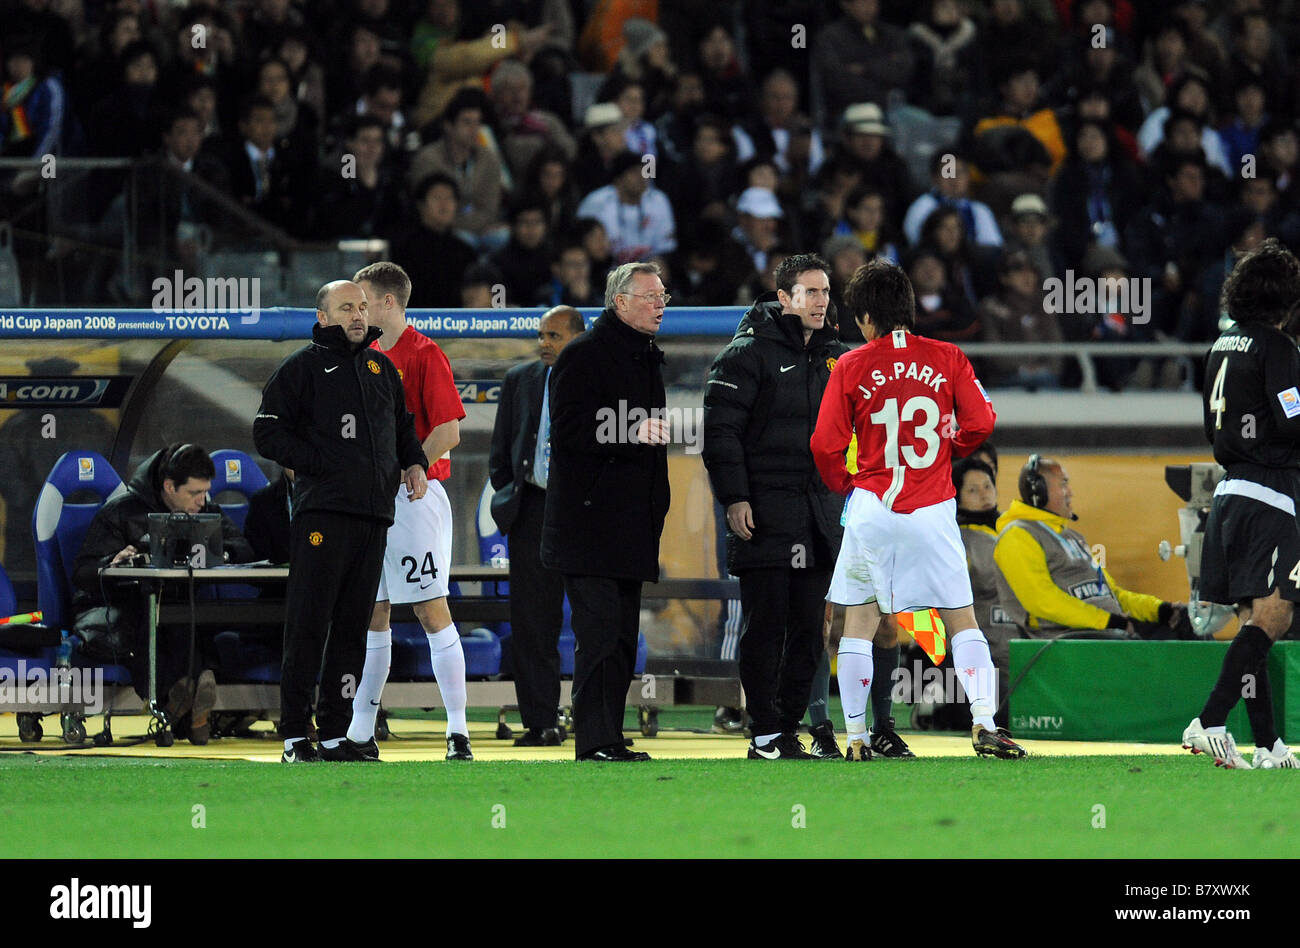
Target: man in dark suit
<point>518,464</point>
<point>607,496</point>
<point>260,176</point>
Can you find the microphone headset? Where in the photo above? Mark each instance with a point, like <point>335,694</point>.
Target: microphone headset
<point>1033,485</point>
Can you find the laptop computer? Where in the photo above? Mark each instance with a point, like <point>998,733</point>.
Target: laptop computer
<point>181,539</point>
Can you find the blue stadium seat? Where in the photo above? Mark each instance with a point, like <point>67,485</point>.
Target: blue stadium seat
<point>59,523</point>
<point>411,653</point>
<point>237,475</point>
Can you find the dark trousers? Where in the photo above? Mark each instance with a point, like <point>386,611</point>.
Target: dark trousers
<point>605,614</point>
<point>536,615</point>
<point>331,593</point>
<point>781,642</point>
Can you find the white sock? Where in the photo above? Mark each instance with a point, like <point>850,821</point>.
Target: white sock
<point>855,669</point>
<point>374,674</point>
<point>332,743</point>
<point>762,740</point>
<point>975,671</point>
<point>448,660</point>
<point>1221,729</point>
<point>288,745</point>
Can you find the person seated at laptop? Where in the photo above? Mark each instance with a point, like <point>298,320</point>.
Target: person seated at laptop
<point>111,616</point>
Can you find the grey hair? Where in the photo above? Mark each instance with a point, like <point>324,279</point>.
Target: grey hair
<point>512,70</point>
<point>620,278</point>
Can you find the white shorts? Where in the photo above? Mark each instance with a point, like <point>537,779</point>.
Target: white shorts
<point>906,561</point>
<point>417,560</point>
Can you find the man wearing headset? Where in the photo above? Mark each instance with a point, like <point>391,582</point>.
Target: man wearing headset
<point>1048,579</point>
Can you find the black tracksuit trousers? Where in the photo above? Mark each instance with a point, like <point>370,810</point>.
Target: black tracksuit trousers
<point>334,565</point>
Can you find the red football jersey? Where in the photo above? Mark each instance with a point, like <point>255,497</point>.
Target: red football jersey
<point>431,394</point>
<point>913,403</point>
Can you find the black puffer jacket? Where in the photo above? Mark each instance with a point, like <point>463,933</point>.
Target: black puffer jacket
<point>760,406</point>
<point>124,520</point>
<point>337,417</point>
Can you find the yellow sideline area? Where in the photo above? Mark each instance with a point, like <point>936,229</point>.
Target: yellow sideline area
<point>422,740</point>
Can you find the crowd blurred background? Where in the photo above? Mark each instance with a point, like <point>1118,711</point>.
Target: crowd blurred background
<point>522,147</point>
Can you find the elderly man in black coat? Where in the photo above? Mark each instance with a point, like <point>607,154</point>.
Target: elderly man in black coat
<point>607,496</point>
<point>783,531</point>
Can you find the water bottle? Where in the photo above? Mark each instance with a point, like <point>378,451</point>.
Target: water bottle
<point>63,666</point>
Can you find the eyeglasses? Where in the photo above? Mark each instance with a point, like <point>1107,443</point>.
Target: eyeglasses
<point>663,298</point>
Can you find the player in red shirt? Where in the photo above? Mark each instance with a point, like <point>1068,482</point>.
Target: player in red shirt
<point>913,403</point>
<point>417,560</point>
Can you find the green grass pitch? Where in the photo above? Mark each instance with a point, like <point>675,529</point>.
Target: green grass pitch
<point>1154,807</point>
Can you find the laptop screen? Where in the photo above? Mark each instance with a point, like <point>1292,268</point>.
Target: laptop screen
<point>180,539</point>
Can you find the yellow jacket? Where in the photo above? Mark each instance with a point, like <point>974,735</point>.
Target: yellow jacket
<point>1023,564</point>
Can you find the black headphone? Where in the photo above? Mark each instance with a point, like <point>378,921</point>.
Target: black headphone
<point>1033,486</point>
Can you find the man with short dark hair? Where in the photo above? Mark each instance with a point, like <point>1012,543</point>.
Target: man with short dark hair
<point>432,241</point>
<point>760,407</point>
<point>173,480</point>
<point>334,412</point>
<point>1251,554</point>
<point>607,495</point>
<point>519,465</point>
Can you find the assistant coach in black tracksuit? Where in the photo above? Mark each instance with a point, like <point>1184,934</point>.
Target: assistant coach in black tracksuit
<point>335,413</point>
<point>760,407</point>
<point>519,466</point>
<point>607,496</point>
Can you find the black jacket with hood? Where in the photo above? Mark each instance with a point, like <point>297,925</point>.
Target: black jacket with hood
<point>760,407</point>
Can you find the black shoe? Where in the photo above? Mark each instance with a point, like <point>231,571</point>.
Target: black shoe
<point>540,737</point>
<point>786,747</point>
<point>995,743</point>
<point>349,751</point>
<point>823,745</point>
<point>728,721</point>
<point>615,754</point>
<point>885,742</point>
<point>458,747</point>
<point>301,751</point>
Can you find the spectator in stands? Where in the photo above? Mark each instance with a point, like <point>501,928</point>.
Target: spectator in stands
<point>1163,61</point>
<point>950,186</point>
<point>727,90</point>
<point>772,134</point>
<point>1102,69</point>
<point>549,178</point>
<point>1279,153</point>
<point>1257,55</point>
<point>949,66</point>
<point>941,311</point>
<point>864,144</point>
<point>525,262</point>
<point>99,60</point>
<point>518,466</point>
<point>1050,580</point>
<point>381,97</point>
<point>764,281</point>
<point>967,267</point>
<point>451,64</point>
<point>864,220</point>
<point>845,254</point>
<point>639,136</point>
<point>571,283</point>
<point>709,177</point>
<point>524,130</point>
<point>345,81</point>
<point>1017,32</point>
<point>1183,134</point>
<point>1241,134</point>
<point>306,74</point>
<point>482,287</point>
<point>824,204</point>
<point>1093,194</point>
<point>169,210</point>
<point>1171,241</point>
<point>269,24</point>
<point>32,117</point>
<point>173,480</point>
<point>361,198</point>
<point>389,25</point>
<point>638,219</point>
<point>1245,231</point>
<point>647,61</point>
<point>1032,231</point>
<point>261,178</point>
<point>125,122</point>
<point>759,215</point>
<point>977,515</point>
<point>710,267</point>
<point>594,238</point>
<point>1205,48</point>
<point>675,128</point>
<point>200,93</point>
<point>1259,197</point>
<point>1190,94</point>
<point>295,123</point>
<point>462,155</point>
<point>858,58</point>
<point>432,242</point>
<point>1017,313</point>
<point>602,142</point>
<point>1005,140</point>
<point>215,57</point>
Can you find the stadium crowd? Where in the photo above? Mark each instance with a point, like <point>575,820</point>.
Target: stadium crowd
<point>986,145</point>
